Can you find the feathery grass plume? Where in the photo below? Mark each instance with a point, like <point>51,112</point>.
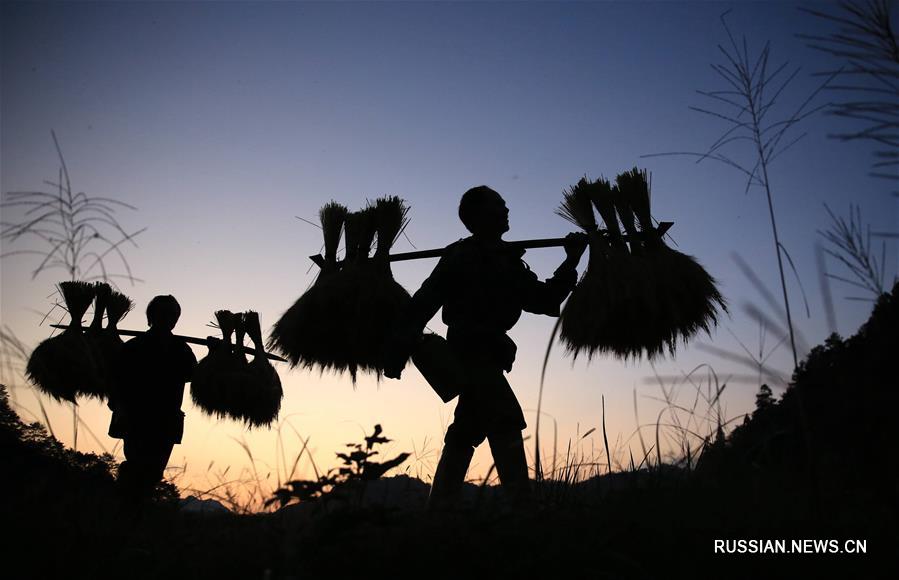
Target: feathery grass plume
<point>63,365</point>
<point>93,336</point>
<point>687,295</point>
<point>263,401</point>
<point>210,388</point>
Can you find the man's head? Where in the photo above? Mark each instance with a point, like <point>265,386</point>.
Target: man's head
<point>163,312</point>
<point>484,212</point>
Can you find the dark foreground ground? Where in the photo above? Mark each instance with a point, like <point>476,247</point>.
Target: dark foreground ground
<point>818,464</point>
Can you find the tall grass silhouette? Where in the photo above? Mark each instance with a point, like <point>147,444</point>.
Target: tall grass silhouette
<point>74,231</point>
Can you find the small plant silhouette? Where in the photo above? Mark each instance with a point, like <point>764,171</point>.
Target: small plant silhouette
<point>356,471</point>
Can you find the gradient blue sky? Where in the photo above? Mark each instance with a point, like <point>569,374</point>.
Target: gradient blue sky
<point>221,121</point>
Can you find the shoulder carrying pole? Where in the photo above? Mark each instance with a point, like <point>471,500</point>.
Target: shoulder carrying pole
<point>187,339</point>
<point>523,244</point>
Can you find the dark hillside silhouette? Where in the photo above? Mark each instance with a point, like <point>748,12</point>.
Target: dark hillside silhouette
<point>850,389</point>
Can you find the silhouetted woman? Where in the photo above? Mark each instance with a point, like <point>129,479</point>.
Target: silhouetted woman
<point>152,371</point>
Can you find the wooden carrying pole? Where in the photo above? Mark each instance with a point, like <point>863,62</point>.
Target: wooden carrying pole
<point>523,244</point>
<point>187,339</point>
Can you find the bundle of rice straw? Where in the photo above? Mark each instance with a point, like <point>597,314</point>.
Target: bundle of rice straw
<point>346,323</point>
<point>100,390</point>
<point>637,297</point>
<point>686,295</point>
<point>643,322</point>
<point>109,342</point>
<point>226,385</point>
<point>341,322</point>
<point>306,332</point>
<point>63,366</point>
<point>210,387</point>
<point>381,299</point>
<point>600,308</point>
<point>261,400</point>
<point>584,315</point>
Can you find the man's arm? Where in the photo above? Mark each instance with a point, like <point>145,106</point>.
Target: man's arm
<point>547,297</point>
<point>407,331</point>
<point>188,362</point>
<point>428,299</point>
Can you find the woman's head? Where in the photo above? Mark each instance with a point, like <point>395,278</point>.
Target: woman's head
<point>163,312</point>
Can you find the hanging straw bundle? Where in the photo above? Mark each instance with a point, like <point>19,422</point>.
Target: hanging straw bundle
<point>632,298</point>
<point>584,316</point>
<point>109,342</point>
<point>93,337</point>
<point>381,300</point>
<point>262,394</point>
<point>306,332</point>
<point>600,308</point>
<point>226,385</point>
<point>637,297</point>
<point>345,323</point>
<point>341,322</point>
<point>211,388</point>
<point>686,295</point>
<point>63,366</point>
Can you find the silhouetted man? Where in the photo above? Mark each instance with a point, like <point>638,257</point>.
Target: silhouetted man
<point>483,286</point>
<point>147,413</point>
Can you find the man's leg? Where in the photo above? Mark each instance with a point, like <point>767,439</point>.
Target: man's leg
<point>458,448</point>
<point>504,426</point>
<point>507,448</point>
<point>144,465</point>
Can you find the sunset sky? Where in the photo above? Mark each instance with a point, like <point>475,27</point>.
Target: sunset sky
<point>222,121</point>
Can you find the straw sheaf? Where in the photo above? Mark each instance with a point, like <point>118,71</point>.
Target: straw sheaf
<point>687,295</point>
<point>263,403</point>
<point>64,366</point>
<point>209,389</point>
<point>391,218</point>
<point>246,392</point>
<point>589,317</point>
<point>117,307</point>
<point>94,338</point>
<point>636,299</point>
<point>576,206</point>
<point>340,323</point>
<point>110,343</point>
<point>332,217</point>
